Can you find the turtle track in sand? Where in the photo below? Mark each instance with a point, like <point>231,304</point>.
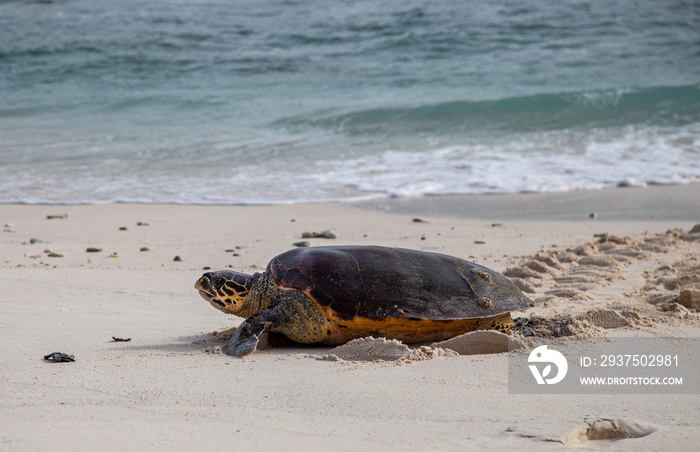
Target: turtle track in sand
<point>613,282</point>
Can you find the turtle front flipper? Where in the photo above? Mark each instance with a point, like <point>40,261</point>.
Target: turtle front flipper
<point>296,316</point>
<point>245,340</point>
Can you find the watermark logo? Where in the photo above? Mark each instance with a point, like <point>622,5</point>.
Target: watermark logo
<point>605,365</point>
<point>542,355</point>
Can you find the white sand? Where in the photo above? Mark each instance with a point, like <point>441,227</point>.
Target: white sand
<point>166,390</point>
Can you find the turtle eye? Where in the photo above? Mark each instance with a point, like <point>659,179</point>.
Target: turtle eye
<point>217,281</point>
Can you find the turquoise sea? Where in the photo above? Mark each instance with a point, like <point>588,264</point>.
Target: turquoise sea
<point>288,101</point>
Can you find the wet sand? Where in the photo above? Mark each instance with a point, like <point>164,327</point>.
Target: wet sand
<point>671,202</point>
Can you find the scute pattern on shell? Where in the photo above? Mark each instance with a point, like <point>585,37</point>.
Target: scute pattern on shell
<point>379,282</point>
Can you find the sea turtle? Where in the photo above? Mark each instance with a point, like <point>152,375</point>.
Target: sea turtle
<point>331,295</point>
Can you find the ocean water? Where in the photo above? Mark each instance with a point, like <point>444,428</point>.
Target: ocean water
<point>243,101</point>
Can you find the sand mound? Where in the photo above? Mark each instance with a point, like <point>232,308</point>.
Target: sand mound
<point>605,431</point>
<point>605,318</point>
<point>562,325</point>
<point>381,349</point>
<point>477,343</point>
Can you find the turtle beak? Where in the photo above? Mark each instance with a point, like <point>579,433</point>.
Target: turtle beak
<point>203,285</point>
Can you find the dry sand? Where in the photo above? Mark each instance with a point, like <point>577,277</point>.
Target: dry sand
<point>169,387</point>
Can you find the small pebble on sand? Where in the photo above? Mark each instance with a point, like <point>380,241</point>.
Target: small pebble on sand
<point>60,357</point>
<point>690,298</point>
<point>327,234</point>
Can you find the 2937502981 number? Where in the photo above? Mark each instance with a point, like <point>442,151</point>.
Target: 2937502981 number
<point>639,360</point>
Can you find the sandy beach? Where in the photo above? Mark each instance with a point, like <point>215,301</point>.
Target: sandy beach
<point>170,387</point>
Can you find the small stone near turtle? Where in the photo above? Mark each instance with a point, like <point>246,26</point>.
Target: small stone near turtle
<point>121,339</point>
<point>55,254</point>
<point>480,242</point>
<point>123,228</point>
<point>496,225</point>
<point>142,223</point>
<point>302,244</point>
<point>327,234</point>
<point>35,240</point>
<point>690,298</point>
<point>330,234</point>
<point>145,248</point>
<point>418,220</point>
<point>57,217</point>
<point>177,259</point>
<point>93,250</point>
<point>605,238</point>
<point>206,268</point>
<point>59,357</point>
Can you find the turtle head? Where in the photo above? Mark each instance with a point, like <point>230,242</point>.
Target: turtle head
<point>225,290</point>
